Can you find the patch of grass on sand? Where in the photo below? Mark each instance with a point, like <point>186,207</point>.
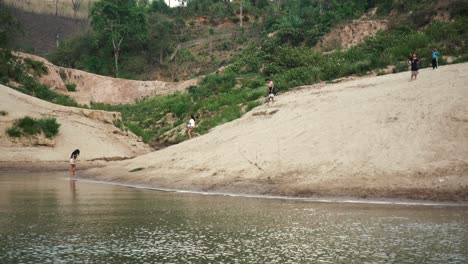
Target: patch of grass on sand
<point>29,126</point>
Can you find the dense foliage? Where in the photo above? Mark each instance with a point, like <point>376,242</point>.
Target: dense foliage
<point>143,37</point>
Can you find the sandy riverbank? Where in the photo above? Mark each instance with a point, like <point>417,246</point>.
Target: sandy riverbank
<point>373,137</point>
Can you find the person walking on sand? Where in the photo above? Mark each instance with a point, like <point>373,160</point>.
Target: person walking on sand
<point>413,62</point>
<point>191,126</point>
<point>73,158</point>
<point>271,91</point>
<point>435,58</point>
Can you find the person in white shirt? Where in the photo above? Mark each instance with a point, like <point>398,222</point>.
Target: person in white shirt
<point>191,125</point>
<point>73,158</point>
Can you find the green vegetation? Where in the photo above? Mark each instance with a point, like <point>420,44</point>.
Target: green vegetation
<point>71,87</point>
<point>33,88</point>
<point>9,26</point>
<point>37,68</point>
<point>118,21</point>
<point>28,126</point>
<point>3,113</point>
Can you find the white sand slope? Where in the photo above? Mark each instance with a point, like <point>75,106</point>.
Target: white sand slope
<point>372,137</point>
<point>91,131</point>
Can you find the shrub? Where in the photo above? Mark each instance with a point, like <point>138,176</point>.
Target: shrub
<point>29,126</point>
<point>49,126</point>
<point>255,83</point>
<point>235,20</point>
<point>3,113</point>
<point>37,67</point>
<point>31,87</point>
<point>13,132</point>
<point>137,130</point>
<point>71,87</point>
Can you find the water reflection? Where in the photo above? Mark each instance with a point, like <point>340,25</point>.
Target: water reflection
<point>44,220</point>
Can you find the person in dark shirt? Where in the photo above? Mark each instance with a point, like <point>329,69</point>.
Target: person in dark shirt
<point>413,62</point>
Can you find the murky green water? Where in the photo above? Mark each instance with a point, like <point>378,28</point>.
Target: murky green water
<point>45,218</point>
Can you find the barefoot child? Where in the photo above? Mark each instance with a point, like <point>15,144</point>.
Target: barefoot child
<point>73,158</point>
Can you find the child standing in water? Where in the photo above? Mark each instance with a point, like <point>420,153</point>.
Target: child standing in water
<point>73,158</point>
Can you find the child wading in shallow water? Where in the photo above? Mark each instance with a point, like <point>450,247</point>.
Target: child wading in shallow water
<point>73,158</point>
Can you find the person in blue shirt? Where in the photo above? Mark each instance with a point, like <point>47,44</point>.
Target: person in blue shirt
<point>435,58</point>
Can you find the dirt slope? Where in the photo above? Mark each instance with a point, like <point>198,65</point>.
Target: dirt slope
<point>353,33</point>
<point>103,89</point>
<point>91,131</point>
<point>374,137</point>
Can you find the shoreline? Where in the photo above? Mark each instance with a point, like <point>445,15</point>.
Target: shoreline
<point>448,199</point>
<point>46,166</point>
<point>321,199</point>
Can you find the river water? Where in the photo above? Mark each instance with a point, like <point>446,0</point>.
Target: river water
<point>46,218</point>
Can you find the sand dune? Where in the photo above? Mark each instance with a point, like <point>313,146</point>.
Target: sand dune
<point>372,137</point>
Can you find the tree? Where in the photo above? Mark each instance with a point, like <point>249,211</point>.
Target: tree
<point>119,21</point>
<point>9,26</point>
<point>240,12</point>
<point>160,35</point>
